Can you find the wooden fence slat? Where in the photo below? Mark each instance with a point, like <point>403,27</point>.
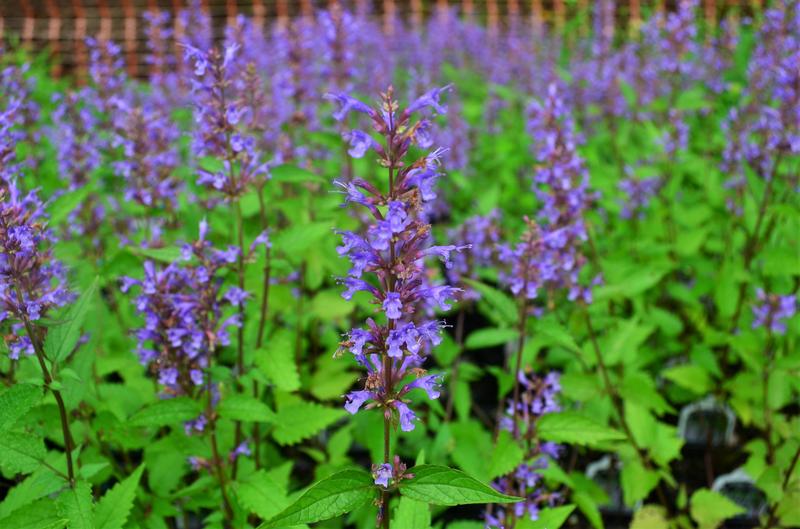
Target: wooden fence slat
<point>63,25</point>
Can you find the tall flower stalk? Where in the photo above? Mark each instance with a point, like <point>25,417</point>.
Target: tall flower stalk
<point>31,283</point>
<point>387,259</point>
<point>220,116</point>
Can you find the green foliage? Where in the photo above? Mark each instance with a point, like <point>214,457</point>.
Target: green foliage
<point>446,486</point>
<point>300,420</point>
<point>166,412</point>
<point>63,337</point>
<point>340,493</point>
<point>114,507</point>
<point>16,401</point>
<point>574,428</point>
<point>709,509</point>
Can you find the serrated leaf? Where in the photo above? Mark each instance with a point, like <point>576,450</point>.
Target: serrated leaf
<point>166,412</point>
<point>245,408</point>
<point>574,428</point>
<point>42,514</point>
<point>484,338</point>
<point>506,456</point>
<point>300,420</point>
<point>446,486</point>
<point>16,401</point>
<point>261,495</point>
<point>276,360</point>
<point>21,452</point>
<point>41,483</point>
<point>62,338</point>
<point>75,504</point>
<point>709,509</point>
<point>114,507</point>
<point>333,496</point>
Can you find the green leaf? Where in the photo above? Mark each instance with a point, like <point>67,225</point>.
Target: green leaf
<point>551,518</point>
<point>411,514</point>
<point>338,494</point>
<point>636,481</point>
<point>261,495</point>
<point>114,507</point>
<point>300,420</point>
<point>556,334</point>
<point>689,376</point>
<point>506,456</point>
<point>588,507</point>
<point>292,173</point>
<point>41,483</point>
<point>502,305</point>
<point>67,203</point>
<point>62,338</point>
<point>630,285</point>
<point>75,504</point>
<point>329,305</point>
<point>483,338</point>
<point>42,514</point>
<point>709,509</point>
<point>166,412</point>
<point>16,401</point>
<point>574,428</point>
<point>649,517</point>
<point>276,360</point>
<point>21,452</point>
<point>296,240</point>
<point>447,486</point>
<point>245,408</point>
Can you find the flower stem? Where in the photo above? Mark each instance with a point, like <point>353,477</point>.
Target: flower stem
<point>616,401</point>
<point>262,321</point>
<point>772,518</point>
<point>48,380</point>
<point>240,332</point>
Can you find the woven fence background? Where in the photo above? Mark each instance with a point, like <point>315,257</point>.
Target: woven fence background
<point>60,27</point>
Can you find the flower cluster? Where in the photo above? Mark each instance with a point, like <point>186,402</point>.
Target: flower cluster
<point>182,304</point>
<point>638,192</point>
<point>220,113</point>
<point>550,254</point>
<point>18,112</point>
<point>766,127</point>
<point>147,138</point>
<point>538,398</point>
<point>31,280</point>
<point>388,256</point>
<point>773,311</point>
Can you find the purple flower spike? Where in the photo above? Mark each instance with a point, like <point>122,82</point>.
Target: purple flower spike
<point>387,256</point>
